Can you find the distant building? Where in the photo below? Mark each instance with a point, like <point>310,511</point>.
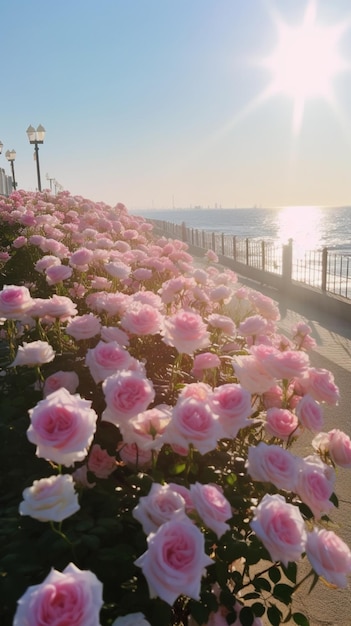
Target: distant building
<point>5,183</point>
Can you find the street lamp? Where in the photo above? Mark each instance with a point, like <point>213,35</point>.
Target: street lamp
<point>35,137</point>
<point>11,155</point>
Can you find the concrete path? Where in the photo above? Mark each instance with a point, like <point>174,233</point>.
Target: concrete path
<point>324,606</point>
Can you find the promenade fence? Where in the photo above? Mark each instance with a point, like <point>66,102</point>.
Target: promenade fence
<point>323,269</point>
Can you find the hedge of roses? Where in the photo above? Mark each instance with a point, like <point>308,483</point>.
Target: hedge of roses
<point>149,411</point>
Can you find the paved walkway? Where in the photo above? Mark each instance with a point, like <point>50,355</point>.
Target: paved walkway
<point>324,606</point>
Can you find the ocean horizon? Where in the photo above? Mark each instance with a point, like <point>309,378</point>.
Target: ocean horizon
<point>310,227</point>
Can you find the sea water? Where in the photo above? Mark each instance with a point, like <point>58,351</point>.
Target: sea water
<point>309,227</point>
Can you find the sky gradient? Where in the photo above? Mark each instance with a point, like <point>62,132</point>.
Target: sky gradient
<point>163,103</point>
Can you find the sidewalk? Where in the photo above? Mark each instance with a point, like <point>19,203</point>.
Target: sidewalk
<point>324,606</point>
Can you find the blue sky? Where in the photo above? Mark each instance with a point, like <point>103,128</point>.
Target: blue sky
<point>159,103</point>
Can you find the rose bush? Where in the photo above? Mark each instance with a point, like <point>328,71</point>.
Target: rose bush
<point>150,410</point>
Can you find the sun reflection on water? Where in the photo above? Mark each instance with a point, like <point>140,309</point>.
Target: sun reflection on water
<point>303,225</point>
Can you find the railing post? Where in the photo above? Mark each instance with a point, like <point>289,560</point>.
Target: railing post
<point>183,231</point>
<point>324,268</point>
<point>247,250</point>
<point>263,248</point>
<point>234,247</point>
<point>223,244</point>
<point>287,261</point>
<point>203,239</point>
<point>214,242</point>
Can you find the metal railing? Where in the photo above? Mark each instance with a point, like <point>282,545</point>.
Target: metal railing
<point>323,269</point>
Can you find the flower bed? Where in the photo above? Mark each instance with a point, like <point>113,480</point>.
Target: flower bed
<point>149,411</point>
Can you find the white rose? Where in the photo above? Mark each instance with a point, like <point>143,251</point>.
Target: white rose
<point>50,499</point>
<point>34,353</point>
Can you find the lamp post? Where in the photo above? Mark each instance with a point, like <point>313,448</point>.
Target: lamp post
<point>36,137</point>
<point>11,155</point>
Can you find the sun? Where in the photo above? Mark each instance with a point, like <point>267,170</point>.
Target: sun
<point>305,61</point>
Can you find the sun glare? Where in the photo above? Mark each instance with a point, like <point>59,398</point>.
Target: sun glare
<point>305,61</point>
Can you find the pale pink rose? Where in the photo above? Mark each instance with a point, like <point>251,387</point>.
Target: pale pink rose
<point>84,327</point>
<point>193,422</point>
<point>68,380</point>
<point>186,331</point>
<point>80,477</point>
<point>113,333</point>
<point>101,282</point>
<point>161,505</point>
<point>172,288</point>
<point>134,457</point>
<point>71,597</point>
<point>204,361</point>
<point>223,323</point>
<point>273,397</point>
<point>310,413</point>
<point>200,276</point>
<point>329,556</point>
<point>106,359</point>
<point>59,307</point>
<point>148,297</point>
<point>264,305</point>
<point>117,269</point>
<point>15,302</point>
<point>57,273</point>
<point>212,507</point>
<point>287,364</point>
<point>185,493</point>
<point>252,326</point>
<point>142,273</point>
<point>232,404</point>
<point>281,423</point>
<point>100,462</point>
<point>339,447</point>
<point>62,427</point>
<point>251,374</point>
<point>50,499</point>
<point>81,258</point>
<point>45,262</point>
<point>301,336</point>
<point>147,428</point>
<point>132,619</point>
<point>175,560</point>
<point>34,353</point>
<point>211,256</point>
<point>222,293</point>
<point>280,527</point>
<point>127,393</point>
<point>199,391</point>
<point>19,242</point>
<point>142,319</point>
<point>4,256</point>
<point>315,485</point>
<point>273,464</point>
<point>77,290</point>
<point>319,383</point>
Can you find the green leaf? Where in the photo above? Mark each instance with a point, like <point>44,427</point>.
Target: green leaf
<point>199,612</point>
<point>246,616</point>
<point>290,571</point>
<point>283,593</point>
<point>274,615</point>
<point>177,468</point>
<point>274,574</point>
<point>258,609</point>
<point>300,619</point>
<point>231,479</point>
<point>262,583</point>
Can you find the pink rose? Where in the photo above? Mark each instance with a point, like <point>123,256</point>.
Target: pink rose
<point>286,365</point>
<point>60,307</point>
<point>280,527</point>
<point>50,499</point>
<point>68,380</point>
<point>186,331</point>
<point>212,507</point>
<point>35,353</point>
<point>251,374</point>
<point>319,383</point>
<point>84,327</point>
<point>19,242</point>
<point>253,325</point>
<point>57,273</point>
<point>81,257</point>
<point>223,323</point>
<point>62,427</point>
<point>147,428</point>
<point>329,556</point>
<point>113,333</point>
<point>71,597</point>
<point>45,262</point>
<point>273,464</point>
<point>100,462</point>
<point>127,393</point>
<point>232,404</point>
<point>193,422</point>
<point>339,446</point>
<point>106,359</point>
<point>211,256</point>
<point>174,561</point>
<point>15,302</point>
<point>133,456</point>
<point>310,413</point>
<point>199,391</point>
<point>315,485</point>
<point>204,361</point>
<point>142,319</point>
<point>161,505</point>
<point>281,423</point>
